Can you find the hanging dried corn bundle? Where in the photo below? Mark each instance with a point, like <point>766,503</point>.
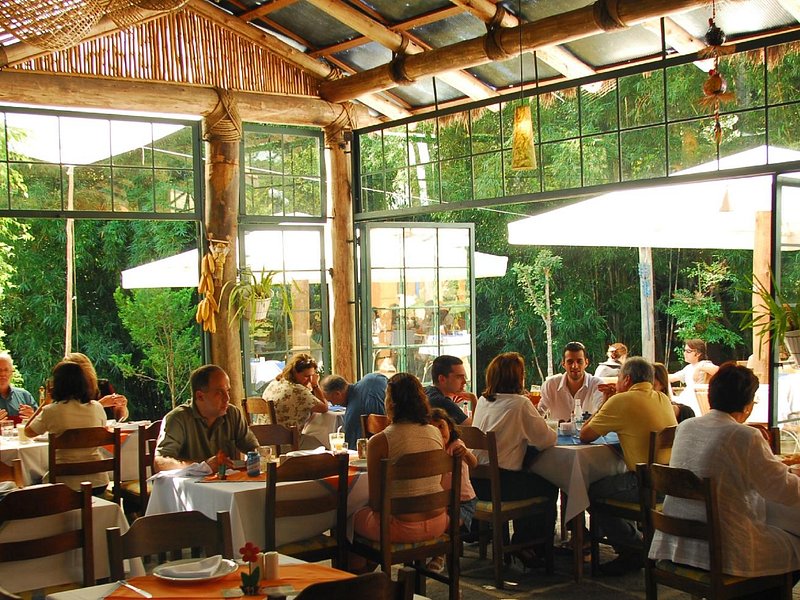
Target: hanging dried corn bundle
<point>715,88</point>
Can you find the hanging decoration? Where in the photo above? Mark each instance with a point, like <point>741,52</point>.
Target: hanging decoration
<point>211,271</point>
<point>715,88</point>
<point>523,146</point>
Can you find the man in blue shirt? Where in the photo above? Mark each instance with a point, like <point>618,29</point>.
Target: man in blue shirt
<point>449,379</point>
<point>362,398</point>
<point>14,401</point>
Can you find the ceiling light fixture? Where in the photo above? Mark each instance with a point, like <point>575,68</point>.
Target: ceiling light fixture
<point>523,147</point>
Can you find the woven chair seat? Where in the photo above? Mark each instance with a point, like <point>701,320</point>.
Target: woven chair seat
<point>317,542</point>
<point>485,506</point>
<point>400,546</point>
<point>695,573</point>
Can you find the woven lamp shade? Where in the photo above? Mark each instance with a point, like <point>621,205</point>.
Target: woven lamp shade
<point>523,149</point>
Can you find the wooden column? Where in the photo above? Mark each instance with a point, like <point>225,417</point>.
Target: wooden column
<point>222,129</point>
<point>343,338</point>
<point>761,271</point>
<point>648,312</point>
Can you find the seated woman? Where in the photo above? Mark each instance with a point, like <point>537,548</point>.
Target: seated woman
<point>617,354</point>
<point>72,408</point>
<point>115,405</point>
<point>746,476</point>
<point>698,370</point>
<point>661,384</point>
<point>296,392</point>
<point>408,432</point>
<point>519,430</point>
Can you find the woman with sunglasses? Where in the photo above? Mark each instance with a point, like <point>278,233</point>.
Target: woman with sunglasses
<point>698,370</point>
<point>296,392</point>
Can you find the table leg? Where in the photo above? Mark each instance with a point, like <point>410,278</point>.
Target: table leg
<point>576,525</point>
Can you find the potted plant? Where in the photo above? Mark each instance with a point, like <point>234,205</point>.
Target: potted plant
<point>251,295</point>
<point>780,319</point>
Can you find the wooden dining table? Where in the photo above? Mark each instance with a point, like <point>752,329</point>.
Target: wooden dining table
<point>573,467</point>
<point>245,499</point>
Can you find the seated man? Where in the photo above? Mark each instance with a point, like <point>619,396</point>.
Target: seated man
<point>14,401</point>
<point>633,412</point>
<point>196,431</point>
<point>449,380</point>
<point>362,398</point>
<point>561,393</point>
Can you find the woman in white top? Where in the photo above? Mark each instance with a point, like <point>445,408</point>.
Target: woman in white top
<point>519,429</point>
<point>72,408</point>
<point>698,369</point>
<point>747,477</point>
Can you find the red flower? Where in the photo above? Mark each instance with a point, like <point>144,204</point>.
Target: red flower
<point>249,552</point>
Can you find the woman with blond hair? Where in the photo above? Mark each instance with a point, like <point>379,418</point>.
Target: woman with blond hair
<point>296,392</point>
<point>519,430</point>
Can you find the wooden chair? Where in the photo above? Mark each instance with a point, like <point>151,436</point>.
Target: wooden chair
<point>375,586</point>
<point>169,533</point>
<point>772,435</point>
<point>12,472</point>
<point>6,595</point>
<point>494,515</point>
<point>306,468</point>
<point>372,424</point>
<point>631,511</point>
<point>259,411</point>
<point>279,437</point>
<point>87,437</point>
<point>409,467</point>
<point>136,492</point>
<point>45,500</point>
<point>656,480</point>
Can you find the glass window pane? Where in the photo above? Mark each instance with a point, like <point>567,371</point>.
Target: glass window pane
<point>559,114</point>
<point>173,148</point>
<point>41,189</point>
<point>641,99</point>
<point>33,138</point>
<point>397,188</point>
<point>743,131</point>
<point>454,135</point>
<point>644,153</point>
<point>395,147</point>
<point>783,75</point>
<point>486,128</point>
<point>453,247</point>
<point>600,159</point>
<point>4,200</point>
<point>558,161</point>
<point>744,74</point>
<point>131,144</point>
<point>423,143</point>
<point>133,189</point>
<point>784,123</point>
<point>74,133</point>
<point>174,191</point>
<point>424,184</point>
<point>306,195</point>
<point>370,146</point>
<point>684,92</point>
<point>691,144</point>
<point>419,247</point>
<point>301,155</point>
<point>92,187</point>
<point>3,153</point>
<point>456,180</point>
<point>372,192</point>
<point>386,247</point>
<point>488,172</point>
<point>599,108</point>
<point>521,182</point>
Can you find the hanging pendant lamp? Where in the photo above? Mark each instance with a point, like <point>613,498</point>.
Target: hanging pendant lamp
<point>523,148</point>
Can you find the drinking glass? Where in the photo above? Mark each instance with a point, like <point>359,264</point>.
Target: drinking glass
<point>7,429</point>
<point>265,457</point>
<point>336,440</point>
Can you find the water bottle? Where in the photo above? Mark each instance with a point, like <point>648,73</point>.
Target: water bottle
<point>577,417</point>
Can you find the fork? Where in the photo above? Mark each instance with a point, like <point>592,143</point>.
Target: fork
<point>133,588</point>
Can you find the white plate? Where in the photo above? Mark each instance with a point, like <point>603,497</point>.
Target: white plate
<point>226,567</point>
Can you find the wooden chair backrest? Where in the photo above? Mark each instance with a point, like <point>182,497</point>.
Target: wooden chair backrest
<point>772,435</point>
<point>169,533</point>
<point>42,501</point>
<point>660,440</point>
<point>12,472</point>
<point>306,468</point>
<point>277,436</point>
<point>475,439</point>
<point>86,437</point>
<point>701,395</point>
<point>255,405</point>
<point>376,586</point>
<point>658,480</point>
<point>146,450</point>
<point>373,423</point>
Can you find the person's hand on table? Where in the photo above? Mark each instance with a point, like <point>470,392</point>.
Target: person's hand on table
<point>3,414</point>
<point>213,463</point>
<point>25,411</point>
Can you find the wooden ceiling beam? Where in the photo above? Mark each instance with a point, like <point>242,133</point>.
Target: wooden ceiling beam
<point>427,18</point>
<point>464,82</point>
<point>675,36</point>
<point>549,31</point>
<point>315,67</point>
<point>340,47</point>
<point>560,59</point>
<point>100,94</point>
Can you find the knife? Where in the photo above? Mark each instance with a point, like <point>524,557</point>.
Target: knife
<point>133,588</point>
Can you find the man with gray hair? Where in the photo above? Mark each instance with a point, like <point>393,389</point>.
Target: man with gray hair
<point>362,398</point>
<point>14,401</point>
<point>633,412</point>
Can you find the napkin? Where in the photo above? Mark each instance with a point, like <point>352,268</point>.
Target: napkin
<point>193,470</point>
<point>193,570</point>
<point>318,450</point>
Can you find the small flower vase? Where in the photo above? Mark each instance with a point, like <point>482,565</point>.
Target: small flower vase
<point>250,582</point>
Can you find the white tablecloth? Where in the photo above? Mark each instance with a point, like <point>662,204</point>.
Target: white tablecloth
<point>32,454</point>
<point>61,568</point>
<point>245,501</point>
<point>573,468</point>
<point>321,424</point>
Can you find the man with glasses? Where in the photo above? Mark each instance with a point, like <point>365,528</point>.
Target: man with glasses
<point>575,388</point>
<point>14,401</point>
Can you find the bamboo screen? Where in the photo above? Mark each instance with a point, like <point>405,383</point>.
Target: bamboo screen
<point>181,47</point>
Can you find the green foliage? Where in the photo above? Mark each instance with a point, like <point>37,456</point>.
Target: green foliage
<point>781,314</point>
<point>699,313</point>
<point>161,325</point>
